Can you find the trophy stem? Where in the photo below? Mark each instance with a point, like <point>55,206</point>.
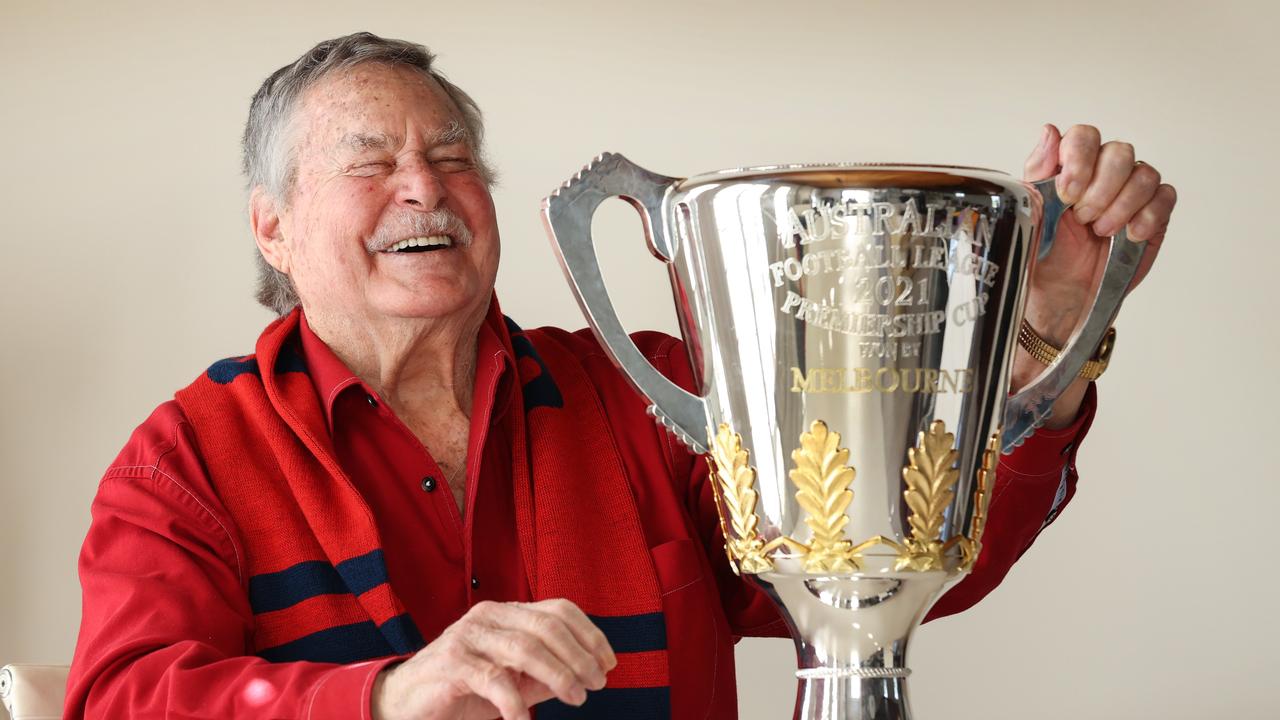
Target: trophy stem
<point>851,636</point>
<point>852,698</point>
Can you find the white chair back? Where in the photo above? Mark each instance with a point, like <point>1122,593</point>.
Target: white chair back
<point>33,692</point>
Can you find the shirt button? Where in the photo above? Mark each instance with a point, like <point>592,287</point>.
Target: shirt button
<point>429,484</point>
<point>475,582</point>
<point>373,401</point>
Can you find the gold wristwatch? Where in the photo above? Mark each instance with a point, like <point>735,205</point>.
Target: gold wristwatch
<point>1042,351</point>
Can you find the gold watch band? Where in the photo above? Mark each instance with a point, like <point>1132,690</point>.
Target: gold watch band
<point>1045,353</point>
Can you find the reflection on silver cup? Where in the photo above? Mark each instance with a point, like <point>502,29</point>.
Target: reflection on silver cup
<point>852,329</point>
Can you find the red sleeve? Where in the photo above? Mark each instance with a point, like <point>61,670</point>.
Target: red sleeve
<point>166,619</point>
<point>1033,484</point>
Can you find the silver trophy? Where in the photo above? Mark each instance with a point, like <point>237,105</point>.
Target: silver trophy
<point>851,329</point>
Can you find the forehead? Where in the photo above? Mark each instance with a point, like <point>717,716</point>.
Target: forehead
<point>373,96</point>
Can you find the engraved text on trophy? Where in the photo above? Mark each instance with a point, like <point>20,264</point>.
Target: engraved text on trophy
<point>894,263</point>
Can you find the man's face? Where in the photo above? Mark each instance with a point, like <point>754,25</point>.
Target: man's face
<point>382,159</point>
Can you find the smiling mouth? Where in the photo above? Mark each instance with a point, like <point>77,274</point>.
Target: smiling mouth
<point>421,244</point>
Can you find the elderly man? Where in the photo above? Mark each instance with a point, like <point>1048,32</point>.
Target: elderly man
<point>389,509</point>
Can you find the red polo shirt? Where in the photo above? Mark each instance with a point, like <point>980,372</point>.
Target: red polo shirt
<point>433,560</point>
<point>166,621</point>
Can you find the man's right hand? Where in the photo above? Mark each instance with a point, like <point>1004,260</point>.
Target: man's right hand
<point>499,660</point>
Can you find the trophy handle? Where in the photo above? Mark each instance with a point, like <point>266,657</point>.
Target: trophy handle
<point>567,215</point>
<point>1028,409</point>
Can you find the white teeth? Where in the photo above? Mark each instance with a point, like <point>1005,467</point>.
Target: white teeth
<point>430,241</point>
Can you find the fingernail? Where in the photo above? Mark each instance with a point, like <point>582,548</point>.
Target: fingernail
<point>1085,214</point>
<point>1044,138</point>
<point>1104,229</point>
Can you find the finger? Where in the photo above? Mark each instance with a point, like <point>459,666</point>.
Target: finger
<point>588,635</point>
<point>1043,161</point>
<point>1138,190</point>
<point>533,691</point>
<point>1077,154</point>
<point>1150,224</point>
<point>495,685</point>
<point>1115,164</point>
<point>526,653</point>
<point>559,635</point>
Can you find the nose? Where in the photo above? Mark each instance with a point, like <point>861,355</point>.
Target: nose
<point>419,187</point>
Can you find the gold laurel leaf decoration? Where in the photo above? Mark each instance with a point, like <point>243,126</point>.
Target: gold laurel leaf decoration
<point>724,526</point>
<point>931,482</point>
<point>986,473</point>
<point>736,479</point>
<point>822,478</point>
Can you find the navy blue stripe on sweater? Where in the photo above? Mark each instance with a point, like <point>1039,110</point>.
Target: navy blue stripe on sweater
<point>338,644</point>
<point>651,703</point>
<point>350,643</point>
<point>542,390</point>
<point>269,592</point>
<point>403,635</point>
<point>633,633</point>
<point>224,371</point>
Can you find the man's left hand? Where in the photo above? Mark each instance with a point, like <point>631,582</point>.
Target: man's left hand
<point>1107,189</point>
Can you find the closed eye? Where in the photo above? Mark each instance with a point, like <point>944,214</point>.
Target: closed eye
<point>453,164</point>
<point>372,167</point>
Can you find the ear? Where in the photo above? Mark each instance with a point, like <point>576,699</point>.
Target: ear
<point>264,220</point>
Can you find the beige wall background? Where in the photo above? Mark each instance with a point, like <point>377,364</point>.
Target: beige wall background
<point>127,269</point>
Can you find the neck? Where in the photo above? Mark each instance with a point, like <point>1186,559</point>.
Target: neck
<point>417,365</point>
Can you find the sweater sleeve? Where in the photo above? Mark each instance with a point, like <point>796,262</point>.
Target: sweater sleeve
<point>166,620</point>
<point>1033,485</point>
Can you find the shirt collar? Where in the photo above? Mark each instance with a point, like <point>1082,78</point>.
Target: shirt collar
<point>494,356</point>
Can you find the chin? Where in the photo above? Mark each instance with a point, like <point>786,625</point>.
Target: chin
<point>425,306</point>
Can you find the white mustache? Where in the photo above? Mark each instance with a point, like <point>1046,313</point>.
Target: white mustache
<point>411,225</point>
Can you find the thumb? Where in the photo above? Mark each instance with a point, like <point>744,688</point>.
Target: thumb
<point>1043,161</point>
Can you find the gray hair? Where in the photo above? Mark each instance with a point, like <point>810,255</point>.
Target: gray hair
<point>269,152</point>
